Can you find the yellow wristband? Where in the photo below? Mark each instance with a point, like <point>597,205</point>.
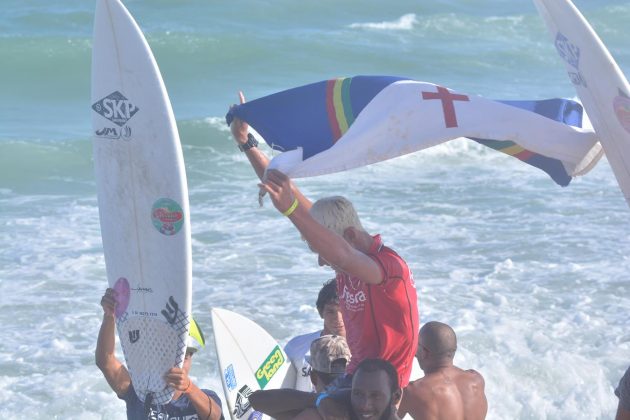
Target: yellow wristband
<point>291,209</point>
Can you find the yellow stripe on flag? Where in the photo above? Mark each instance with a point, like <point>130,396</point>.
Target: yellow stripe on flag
<point>512,150</point>
<point>338,104</point>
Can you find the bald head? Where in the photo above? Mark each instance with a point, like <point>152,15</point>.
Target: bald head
<point>439,339</point>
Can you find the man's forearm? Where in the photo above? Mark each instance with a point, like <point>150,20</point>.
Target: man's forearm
<point>258,160</point>
<point>105,345</point>
<point>206,407</point>
<point>282,400</point>
<point>335,250</point>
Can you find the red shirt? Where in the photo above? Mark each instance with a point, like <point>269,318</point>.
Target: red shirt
<point>381,319</point>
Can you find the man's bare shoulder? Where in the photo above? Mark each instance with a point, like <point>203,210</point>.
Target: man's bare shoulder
<point>474,376</point>
<point>448,393</point>
<point>422,388</point>
<point>473,372</point>
<point>426,387</point>
<point>418,400</point>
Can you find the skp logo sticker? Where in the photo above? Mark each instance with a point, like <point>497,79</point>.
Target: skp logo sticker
<point>116,108</point>
<point>167,216</point>
<point>269,367</point>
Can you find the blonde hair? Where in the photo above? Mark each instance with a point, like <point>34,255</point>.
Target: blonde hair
<point>336,213</point>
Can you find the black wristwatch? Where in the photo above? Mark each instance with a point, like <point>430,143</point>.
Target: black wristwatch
<point>251,142</point>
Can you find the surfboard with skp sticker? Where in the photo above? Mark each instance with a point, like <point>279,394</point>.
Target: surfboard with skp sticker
<point>249,359</point>
<point>600,84</point>
<point>142,199</point>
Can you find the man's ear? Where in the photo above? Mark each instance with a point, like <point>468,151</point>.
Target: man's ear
<point>396,396</point>
<point>425,352</point>
<point>313,375</point>
<point>350,234</point>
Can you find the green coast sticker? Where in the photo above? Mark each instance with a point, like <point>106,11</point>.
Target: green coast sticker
<point>269,367</point>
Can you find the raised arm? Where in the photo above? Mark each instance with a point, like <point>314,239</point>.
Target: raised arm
<point>114,371</point>
<point>258,160</point>
<point>282,402</point>
<point>335,250</point>
<point>290,403</point>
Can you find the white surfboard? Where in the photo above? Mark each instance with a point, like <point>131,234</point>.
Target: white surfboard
<point>600,84</point>
<point>249,359</point>
<point>143,200</point>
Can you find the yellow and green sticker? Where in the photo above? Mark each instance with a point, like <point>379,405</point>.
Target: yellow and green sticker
<point>269,367</point>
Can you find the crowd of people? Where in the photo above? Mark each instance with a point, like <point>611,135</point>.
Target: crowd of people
<point>358,365</point>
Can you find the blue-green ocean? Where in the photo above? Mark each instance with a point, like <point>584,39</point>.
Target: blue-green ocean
<point>533,277</point>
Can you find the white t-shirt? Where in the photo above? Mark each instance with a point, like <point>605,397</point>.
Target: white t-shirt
<point>298,350</point>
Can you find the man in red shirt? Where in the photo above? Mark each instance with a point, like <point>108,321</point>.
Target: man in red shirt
<point>377,295</point>
<point>381,315</point>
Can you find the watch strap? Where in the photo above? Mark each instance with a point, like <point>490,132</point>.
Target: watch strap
<point>251,142</point>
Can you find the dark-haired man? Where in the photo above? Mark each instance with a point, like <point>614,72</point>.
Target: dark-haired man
<point>446,392</point>
<point>375,391</point>
<point>374,395</point>
<point>189,401</point>
<point>298,348</point>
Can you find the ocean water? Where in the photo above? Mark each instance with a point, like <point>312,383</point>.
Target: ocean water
<point>533,277</point>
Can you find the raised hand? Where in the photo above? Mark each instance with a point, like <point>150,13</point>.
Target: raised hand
<point>239,127</point>
<point>178,379</point>
<point>278,185</point>
<point>108,302</point>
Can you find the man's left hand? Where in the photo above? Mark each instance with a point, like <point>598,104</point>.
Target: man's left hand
<point>178,379</point>
<point>278,185</point>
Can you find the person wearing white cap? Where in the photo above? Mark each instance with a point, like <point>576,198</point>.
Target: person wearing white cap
<point>189,401</point>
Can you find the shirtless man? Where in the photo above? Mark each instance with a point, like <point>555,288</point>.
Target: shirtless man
<point>446,392</point>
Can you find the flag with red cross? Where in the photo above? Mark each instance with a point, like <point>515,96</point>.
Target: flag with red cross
<point>345,123</point>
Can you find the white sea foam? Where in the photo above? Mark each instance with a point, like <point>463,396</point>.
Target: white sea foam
<point>217,123</point>
<point>533,277</point>
<point>404,23</point>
